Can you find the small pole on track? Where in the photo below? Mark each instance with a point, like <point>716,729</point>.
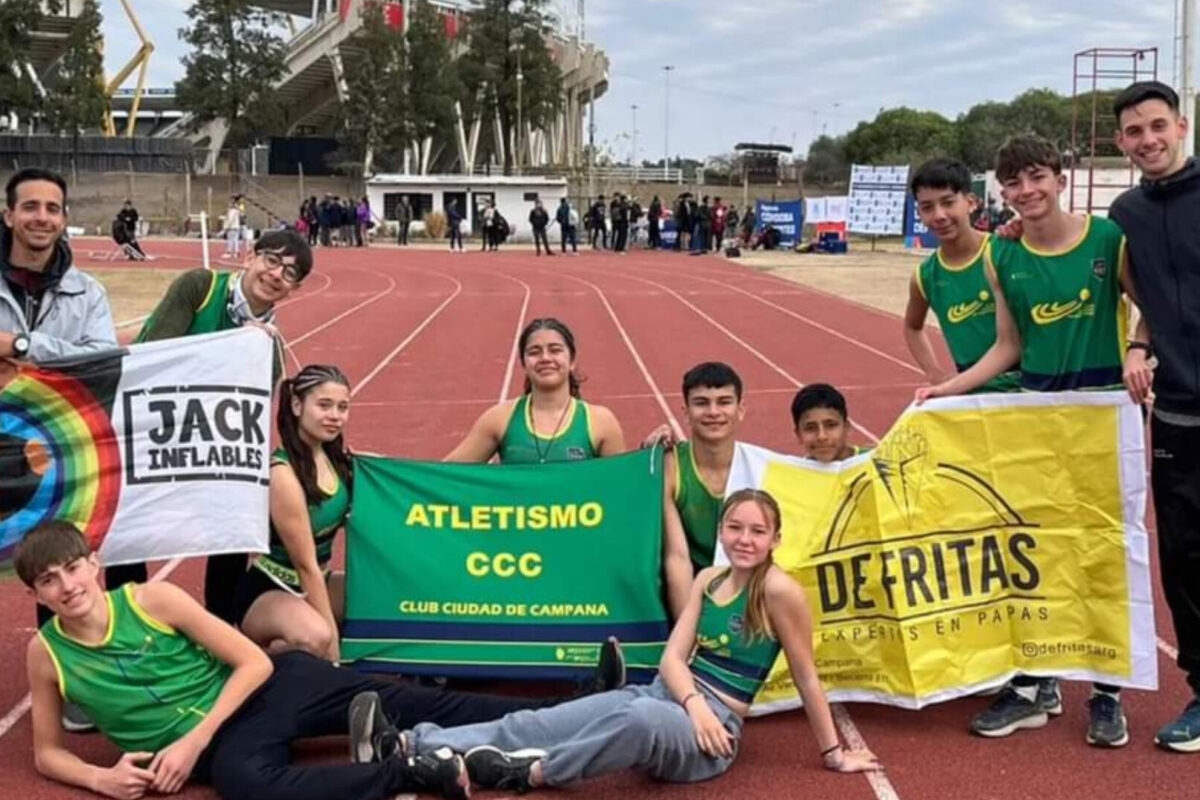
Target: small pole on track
<point>204,239</point>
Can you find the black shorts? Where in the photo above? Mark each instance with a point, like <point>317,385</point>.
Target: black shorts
<point>253,584</point>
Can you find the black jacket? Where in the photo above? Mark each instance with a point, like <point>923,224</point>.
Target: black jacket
<point>538,218</point>
<point>1160,220</point>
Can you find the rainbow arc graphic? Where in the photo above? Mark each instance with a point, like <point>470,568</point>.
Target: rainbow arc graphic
<point>60,456</point>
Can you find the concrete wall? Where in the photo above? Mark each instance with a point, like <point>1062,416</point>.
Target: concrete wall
<point>165,199</point>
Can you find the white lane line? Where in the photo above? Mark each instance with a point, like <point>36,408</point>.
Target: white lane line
<point>883,788</point>
<point>768,275</point>
<point>746,345</point>
<point>633,351</point>
<point>381,293</point>
<point>370,376</point>
<point>1166,647</point>
<point>512,352</point>
<point>880,784</point>
<point>23,705</point>
<point>806,320</point>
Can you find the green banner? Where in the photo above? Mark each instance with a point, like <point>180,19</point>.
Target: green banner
<point>504,571</point>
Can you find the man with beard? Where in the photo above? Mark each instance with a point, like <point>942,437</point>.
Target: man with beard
<point>48,309</point>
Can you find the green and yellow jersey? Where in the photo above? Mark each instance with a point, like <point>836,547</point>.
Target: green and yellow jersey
<point>699,508</point>
<point>521,444</point>
<point>961,299</point>
<point>1068,308</point>
<point>145,684</point>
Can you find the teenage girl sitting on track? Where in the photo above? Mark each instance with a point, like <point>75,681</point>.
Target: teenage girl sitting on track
<point>549,422</point>
<point>686,726</point>
<point>289,599</point>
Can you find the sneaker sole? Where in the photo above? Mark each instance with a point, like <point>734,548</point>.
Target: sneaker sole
<point>1189,746</point>
<point>78,727</point>
<point>362,728</point>
<point>525,752</point>
<point>1054,710</point>
<point>1094,742</point>
<point>1038,720</point>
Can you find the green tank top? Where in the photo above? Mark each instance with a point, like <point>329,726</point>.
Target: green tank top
<point>325,518</point>
<point>699,509</point>
<point>145,685</point>
<point>520,445</point>
<point>724,659</point>
<point>961,298</point>
<point>211,315</point>
<point>1068,308</point>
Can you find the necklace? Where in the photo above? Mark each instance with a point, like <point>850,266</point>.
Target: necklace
<point>537,440</point>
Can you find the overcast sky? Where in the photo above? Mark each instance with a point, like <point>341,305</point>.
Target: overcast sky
<point>784,70</point>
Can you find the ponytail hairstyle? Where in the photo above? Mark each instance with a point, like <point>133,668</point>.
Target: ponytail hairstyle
<point>758,620</point>
<point>550,323</point>
<point>300,455</point>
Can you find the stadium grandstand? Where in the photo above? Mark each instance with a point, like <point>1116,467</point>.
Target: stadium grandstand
<point>322,52</point>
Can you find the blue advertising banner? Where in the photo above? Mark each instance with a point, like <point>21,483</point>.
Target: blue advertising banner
<point>787,218</point>
<point>916,234</point>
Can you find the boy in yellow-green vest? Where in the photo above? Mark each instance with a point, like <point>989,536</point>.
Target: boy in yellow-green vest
<point>185,696</point>
<point>821,423</point>
<point>953,282</point>
<point>205,301</point>
<point>1061,316</point>
<point>696,473</point>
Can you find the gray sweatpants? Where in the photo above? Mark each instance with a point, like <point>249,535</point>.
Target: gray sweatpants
<point>638,727</point>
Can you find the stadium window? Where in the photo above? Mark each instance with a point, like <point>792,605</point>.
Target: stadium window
<point>420,202</point>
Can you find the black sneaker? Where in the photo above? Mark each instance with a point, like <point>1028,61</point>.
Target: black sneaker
<point>610,670</point>
<point>1008,713</point>
<point>372,737</point>
<point>441,772</point>
<point>492,768</point>
<point>75,719</point>
<point>1049,696</point>
<point>1107,726</point>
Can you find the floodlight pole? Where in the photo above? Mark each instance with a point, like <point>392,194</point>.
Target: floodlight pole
<point>1187,71</point>
<point>633,147</point>
<point>667,125</point>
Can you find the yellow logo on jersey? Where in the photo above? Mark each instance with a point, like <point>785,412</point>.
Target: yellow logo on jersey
<point>964,311</point>
<point>1049,313</point>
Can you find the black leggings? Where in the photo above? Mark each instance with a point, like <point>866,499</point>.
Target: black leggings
<point>307,697</point>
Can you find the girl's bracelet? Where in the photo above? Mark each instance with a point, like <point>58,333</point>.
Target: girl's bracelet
<point>684,701</point>
<point>825,753</point>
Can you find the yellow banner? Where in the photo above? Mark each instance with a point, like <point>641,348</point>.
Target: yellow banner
<point>984,536</point>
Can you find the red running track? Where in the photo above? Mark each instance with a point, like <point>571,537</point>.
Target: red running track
<point>427,339</point>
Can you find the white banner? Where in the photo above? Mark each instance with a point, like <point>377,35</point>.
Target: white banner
<point>154,452</point>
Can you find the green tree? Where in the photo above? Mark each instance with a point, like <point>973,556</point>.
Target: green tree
<point>432,77</point>
<point>235,63</point>
<point>75,99</point>
<point>503,35</point>
<point>376,111</point>
<point>18,19</point>
<point>981,131</point>
<point>826,162</point>
<point>901,136</point>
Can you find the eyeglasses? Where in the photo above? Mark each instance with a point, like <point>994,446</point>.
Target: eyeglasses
<point>274,261</point>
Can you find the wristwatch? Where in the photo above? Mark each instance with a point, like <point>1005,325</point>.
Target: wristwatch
<point>1143,346</point>
<point>20,345</point>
